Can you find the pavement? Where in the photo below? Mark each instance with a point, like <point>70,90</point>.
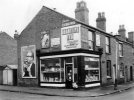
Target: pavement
<point>94,92</point>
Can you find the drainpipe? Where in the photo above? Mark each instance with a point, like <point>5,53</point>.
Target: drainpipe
<point>116,68</point>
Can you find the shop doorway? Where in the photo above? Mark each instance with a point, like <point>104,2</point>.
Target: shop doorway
<point>69,72</point>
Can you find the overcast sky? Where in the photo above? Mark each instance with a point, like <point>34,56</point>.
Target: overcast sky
<point>16,14</point>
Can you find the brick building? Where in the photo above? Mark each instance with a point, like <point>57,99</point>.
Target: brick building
<point>68,52</point>
<point>8,59</point>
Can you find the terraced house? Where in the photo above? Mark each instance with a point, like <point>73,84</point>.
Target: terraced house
<point>55,50</point>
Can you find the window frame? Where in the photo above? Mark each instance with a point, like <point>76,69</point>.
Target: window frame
<point>107,44</point>
<point>109,69</point>
<point>91,40</point>
<point>120,50</point>
<point>97,41</point>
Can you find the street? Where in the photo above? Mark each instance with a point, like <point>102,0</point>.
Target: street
<point>5,95</point>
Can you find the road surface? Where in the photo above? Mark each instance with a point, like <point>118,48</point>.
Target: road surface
<point>5,95</point>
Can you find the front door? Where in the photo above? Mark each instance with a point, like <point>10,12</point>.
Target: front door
<point>69,71</point>
<point>131,73</point>
<point>69,75</point>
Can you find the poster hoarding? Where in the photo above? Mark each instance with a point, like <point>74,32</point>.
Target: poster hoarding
<point>28,61</point>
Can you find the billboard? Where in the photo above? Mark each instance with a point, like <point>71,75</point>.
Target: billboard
<point>70,37</point>
<point>28,61</point>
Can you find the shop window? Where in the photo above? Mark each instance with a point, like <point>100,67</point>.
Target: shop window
<point>107,45</point>
<point>51,70</point>
<point>97,39</point>
<point>90,40</point>
<point>109,69</point>
<point>120,49</point>
<point>92,69</point>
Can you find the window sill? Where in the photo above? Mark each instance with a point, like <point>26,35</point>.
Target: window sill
<point>121,56</point>
<point>121,76</point>
<point>108,53</point>
<point>109,77</point>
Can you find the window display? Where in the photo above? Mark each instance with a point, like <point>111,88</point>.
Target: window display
<point>92,69</point>
<point>51,70</point>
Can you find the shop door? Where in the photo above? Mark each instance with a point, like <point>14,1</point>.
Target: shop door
<point>69,75</point>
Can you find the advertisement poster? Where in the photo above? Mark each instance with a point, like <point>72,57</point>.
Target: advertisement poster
<point>70,37</point>
<point>45,39</point>
<point>28,61</point>
<point>55,42</point>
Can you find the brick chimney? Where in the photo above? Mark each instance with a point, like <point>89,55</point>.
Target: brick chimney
<point>16,35</point>
<point>122,31</point>
<point>131,36</point>
<point>101,21</point>
<point>81,12</point>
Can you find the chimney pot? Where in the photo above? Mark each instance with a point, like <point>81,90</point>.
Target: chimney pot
<point>16,35</point>
<point>103,14</point>
<point>99,15</point>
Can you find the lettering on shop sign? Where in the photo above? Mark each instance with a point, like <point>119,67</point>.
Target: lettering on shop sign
<point>71,37</point>
<point>67,22</point>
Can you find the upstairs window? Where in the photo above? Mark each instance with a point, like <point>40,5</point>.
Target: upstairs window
<point>97,39</point>
<point>90,40</point>
<point>107,45</point>
<point>120,49</point>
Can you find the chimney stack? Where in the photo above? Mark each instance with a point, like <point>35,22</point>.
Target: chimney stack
<point>16,35</point>
<point>122,31</point>
<point>101,21</point>
<point>131,36</point>
<point>81,12</point>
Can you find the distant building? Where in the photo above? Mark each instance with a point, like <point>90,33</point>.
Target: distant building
<point>70,53</point>
<point>8,59</point>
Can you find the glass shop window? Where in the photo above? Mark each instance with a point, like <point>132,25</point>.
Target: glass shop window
<point>51,70</point>
<point>92,69</point>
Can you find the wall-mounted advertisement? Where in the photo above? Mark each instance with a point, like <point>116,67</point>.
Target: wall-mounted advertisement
<point>55,42</point>
<point>45,39</point>
<point>70,37</point>
<point>28,61</point>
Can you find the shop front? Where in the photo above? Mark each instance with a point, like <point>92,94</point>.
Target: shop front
<point>70,70</point>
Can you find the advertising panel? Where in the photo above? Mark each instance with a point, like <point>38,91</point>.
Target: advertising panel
<point>55,42</point>
<point>70,37</point>
<point>28,61</point>
<point>45,42</point>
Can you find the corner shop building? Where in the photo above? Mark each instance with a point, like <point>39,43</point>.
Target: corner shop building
<point>64,54</point>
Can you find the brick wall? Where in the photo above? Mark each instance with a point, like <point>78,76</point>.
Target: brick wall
<point>45,20</point>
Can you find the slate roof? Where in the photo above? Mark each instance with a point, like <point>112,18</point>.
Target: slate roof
<point>8,50</point>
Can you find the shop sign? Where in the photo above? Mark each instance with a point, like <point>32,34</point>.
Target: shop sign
<point>70,37</point>
<point>55,42</point>
<point>65,24</point>
<point>28,61</point>
<point>45,39</point>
